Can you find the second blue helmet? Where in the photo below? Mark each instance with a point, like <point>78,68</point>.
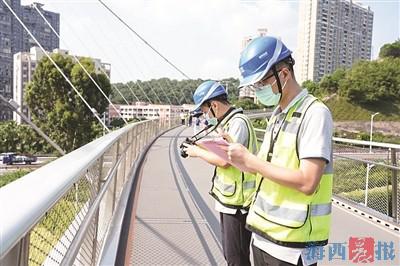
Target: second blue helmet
<point>206,91</point>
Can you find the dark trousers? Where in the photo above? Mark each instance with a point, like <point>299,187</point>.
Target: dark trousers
<point>235,239</point>
<point>262,258</point>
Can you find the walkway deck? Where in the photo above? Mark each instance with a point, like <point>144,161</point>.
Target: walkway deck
<point>176,223</point>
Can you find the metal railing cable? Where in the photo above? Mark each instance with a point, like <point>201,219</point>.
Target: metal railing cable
<point>94,112</point>
<point>80,64</point>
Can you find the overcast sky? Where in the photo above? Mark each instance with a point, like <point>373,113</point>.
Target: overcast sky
<point>202,37</point>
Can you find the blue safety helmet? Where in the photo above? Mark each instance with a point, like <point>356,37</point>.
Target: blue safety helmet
<point>259,56</point>
<point>206,91</point>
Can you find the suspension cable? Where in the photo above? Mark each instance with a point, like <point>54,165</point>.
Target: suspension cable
<point>94,112</point>
<point>156,81</point>
<point>115,87</point>
<point>83,44</point>
<point>81,65</point>
<point>143,40</point>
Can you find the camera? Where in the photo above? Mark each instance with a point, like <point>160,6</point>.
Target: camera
<point>182,147</point>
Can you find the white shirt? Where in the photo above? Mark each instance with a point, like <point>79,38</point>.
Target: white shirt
<point>314,141</point>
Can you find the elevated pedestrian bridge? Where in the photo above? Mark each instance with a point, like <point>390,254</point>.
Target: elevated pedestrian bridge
<point>128,198</point>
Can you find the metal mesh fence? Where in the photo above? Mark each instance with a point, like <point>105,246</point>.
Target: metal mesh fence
<point>80,219</point>
<point>51,237</point>
<point>368,176</point>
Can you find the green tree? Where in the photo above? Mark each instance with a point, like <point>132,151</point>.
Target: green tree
<point>247,104</point>
<point>117,123</point>
<point>57,109</point>
<point>371,82</point>
<point>8,136</point>
<point>312,87</point>
<point>21,138</point>
<point>167,90</point>
<point>331,83</point>
<point>390,50</point>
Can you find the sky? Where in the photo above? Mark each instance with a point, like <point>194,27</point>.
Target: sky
<point>201,37</point>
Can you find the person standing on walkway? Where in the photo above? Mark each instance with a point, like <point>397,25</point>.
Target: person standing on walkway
<point>231,188</point>
<point>182,117</point>
<point>291,211</point>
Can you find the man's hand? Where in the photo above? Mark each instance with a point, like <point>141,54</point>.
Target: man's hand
<point>239,156</point>
<point>192,150</point>
<point>224,135</point>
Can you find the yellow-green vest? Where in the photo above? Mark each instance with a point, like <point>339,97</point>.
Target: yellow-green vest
<point>285,215</point>
<point>231,187</point>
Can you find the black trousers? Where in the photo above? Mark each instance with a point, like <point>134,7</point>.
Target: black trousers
<point>235,239</point>
<point>262,258</point>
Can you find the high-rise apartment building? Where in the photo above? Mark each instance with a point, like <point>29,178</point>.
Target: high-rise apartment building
<point>248,91</point>
<point>14,39</point>
<point>10,42</point>
<point>332,34</point>
<point>39,27</point>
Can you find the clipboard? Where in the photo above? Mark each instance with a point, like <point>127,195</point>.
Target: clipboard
<point>213,145</point>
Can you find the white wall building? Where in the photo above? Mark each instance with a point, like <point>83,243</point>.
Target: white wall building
<point>24,66</point>
<point>248,92</point>
<point>148,111</point>
<point>332,34</point>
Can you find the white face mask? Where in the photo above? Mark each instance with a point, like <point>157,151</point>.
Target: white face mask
<point>210,120</point>
<point>266,96</point>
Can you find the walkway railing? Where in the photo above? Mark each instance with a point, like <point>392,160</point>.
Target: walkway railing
<point>366,174</point>
<point>61,213</point>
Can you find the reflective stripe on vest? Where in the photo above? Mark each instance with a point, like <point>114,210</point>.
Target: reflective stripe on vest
<point>249,184</point>
<point>224,188</point>
<point>282,214</point>
<point>231,187</point>
<point>293,214</point>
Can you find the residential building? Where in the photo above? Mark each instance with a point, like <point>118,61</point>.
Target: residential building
<point>332,34</point>
<point>248,91</point>
<point>14,39</point>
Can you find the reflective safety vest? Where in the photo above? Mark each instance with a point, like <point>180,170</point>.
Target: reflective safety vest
<point>282,214</point>
<point>231,187</point>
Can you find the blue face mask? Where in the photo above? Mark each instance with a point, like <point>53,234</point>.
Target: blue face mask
<point>267,97</point>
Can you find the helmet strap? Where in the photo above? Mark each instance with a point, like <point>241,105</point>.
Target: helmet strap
<point>278,81</point>
<point>212,111</point>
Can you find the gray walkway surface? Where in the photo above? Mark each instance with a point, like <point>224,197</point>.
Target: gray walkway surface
<point>176,223</point>
<point>175,219</point>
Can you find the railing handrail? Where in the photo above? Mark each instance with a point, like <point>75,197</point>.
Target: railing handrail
<point>31,196</point>
<point>358,142</point>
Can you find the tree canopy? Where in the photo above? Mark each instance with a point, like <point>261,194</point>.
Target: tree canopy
<point>57,109</point>
<point>167,91</point>
<point>390,50</point>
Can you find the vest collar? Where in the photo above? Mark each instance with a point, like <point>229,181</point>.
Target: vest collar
<point>299,96</point>
<point>229,114</point>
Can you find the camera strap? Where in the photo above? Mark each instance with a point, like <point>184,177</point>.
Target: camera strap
<point>216,126</point>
